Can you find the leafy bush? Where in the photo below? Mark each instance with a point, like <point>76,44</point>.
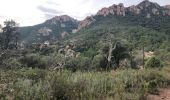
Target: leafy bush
<point>84,63</point>
<point>11,63</point>
<point>56,85</point>
<point>80,63</point>
<point>25,89</point>
<point>153,62</point>
<point>72,64</point>
<point>34,61</point>
<point>99,62</point>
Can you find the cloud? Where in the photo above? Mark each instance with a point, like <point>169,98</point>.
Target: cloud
<point>49,10</point>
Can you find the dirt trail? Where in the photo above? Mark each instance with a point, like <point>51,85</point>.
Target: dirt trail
<point>164,94</point>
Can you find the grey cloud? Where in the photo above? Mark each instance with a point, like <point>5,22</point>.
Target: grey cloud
<point>49,10</point>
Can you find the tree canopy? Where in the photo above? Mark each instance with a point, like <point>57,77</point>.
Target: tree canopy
<point>9,35</point>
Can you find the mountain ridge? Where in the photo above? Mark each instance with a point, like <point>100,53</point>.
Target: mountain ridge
<point>60,27</point>
<point>56,28</point>
<point>145,7</point>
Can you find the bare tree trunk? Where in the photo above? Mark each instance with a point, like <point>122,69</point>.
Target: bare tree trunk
<point>110,54</point>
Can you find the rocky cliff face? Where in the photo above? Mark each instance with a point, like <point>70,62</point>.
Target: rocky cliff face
<point>86,22</point>
<point>167,12</point>
<point>61,26</point>
<point>113,10</point>
<point>149,8</point>
<point>61,19</point>
<point>64,23</point>
<point>167,6</point>
<point>145,8</point>
<point>44,31</point>
<point>118,10</point>
<point>133,9</point>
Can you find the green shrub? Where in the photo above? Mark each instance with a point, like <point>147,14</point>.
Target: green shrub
<point>25,89</point>
<point>72,64</point>
<point>151,86</point>
<point>99,62</point>
<point>80,63</point>
<point>39,84</point>
<point>84,63</point>
<point>34,61</point>
<point>11,63</point>
<point>34,74</point>
<point>153,62</point>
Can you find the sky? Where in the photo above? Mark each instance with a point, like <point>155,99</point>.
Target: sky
<point>31,12</point>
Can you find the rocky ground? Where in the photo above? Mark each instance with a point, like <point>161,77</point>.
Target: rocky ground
<point>164,94</point>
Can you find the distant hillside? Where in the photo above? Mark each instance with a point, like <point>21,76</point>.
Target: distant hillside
<point>148,26</point>
<point>146,23</point>
<point>56,28</point>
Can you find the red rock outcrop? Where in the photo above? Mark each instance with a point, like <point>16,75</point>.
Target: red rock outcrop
<point>167,6</point>
<point>61,19</point>
<point>145,8</point>
<point>167,12</point>
<point>86,22</point>
<point>134,9</point>
<point>113,10</point>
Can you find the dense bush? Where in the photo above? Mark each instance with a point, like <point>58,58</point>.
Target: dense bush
<point>39,84</point>
<point>93,44</point>
<point>71,64</point>
<point>11,63</point>
<point>99,62</point>
<point>153,62</point>
<point>34,61</point>
<point>80,63</point>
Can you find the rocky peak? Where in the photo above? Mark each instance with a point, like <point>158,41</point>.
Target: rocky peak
<point>113,10</point>
<point>149,9</point>
<point>146,4</point>
<point>167,10</point>
<point>167,7</point>
<point>145,8</point>
<point>61,19</point>
<point>133,9</point>
<point>87,21</point>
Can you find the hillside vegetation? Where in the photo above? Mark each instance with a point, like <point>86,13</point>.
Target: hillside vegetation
<point>121,53</point>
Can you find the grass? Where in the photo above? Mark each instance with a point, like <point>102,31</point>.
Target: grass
<point>36,84</point>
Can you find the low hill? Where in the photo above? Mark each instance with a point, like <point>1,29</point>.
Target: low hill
<point>55,28</point>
